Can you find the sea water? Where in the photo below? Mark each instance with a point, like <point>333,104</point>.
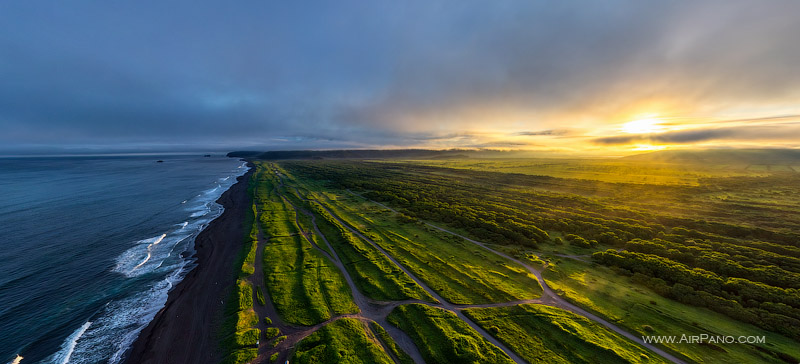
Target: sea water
<point>90,247</point>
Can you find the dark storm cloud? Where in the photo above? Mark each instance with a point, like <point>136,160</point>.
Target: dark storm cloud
<point>351,74</point>
<point>763,133</point>
<point>549,132</point>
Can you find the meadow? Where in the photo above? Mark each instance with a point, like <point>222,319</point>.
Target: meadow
<point>345,340</point>
<point>639,310</point>
<point>444,338</point>
<point>305,286</point>
<point>560,336</point>
<point>716,245</point>
<point>458,271</point>
<point>673,249</point>
<point>375,275</point>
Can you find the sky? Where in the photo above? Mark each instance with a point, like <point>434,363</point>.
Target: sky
<point>602,76</point>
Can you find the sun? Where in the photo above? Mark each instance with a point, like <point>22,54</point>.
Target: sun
<point>642,126</point>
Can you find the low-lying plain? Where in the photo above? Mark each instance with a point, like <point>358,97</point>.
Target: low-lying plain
<point>405,261</point>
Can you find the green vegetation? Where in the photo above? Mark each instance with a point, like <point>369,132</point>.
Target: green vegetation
<point>238,334</point>
<point>374,274</point>
<point>244,295</point>
<point>444,338</point>
<point>250,244</point>
<point>561,336</point>
<point>614,171</point>
<point>271,332</point>
<point>621,300</point>
<point>304,285</point>
<point>682,249</point>
<point>245,338</point>
<point>342,341</point>
<point>459,271</point>
<point>243,355</point>
<point>760,304</point>
<point>402,356</point>
<point>274,357</point>
<point>260,296</point>
<point>278,340</point>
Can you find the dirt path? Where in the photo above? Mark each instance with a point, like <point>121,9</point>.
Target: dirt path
<point>378,311</point>
<point>549,297</point>
<point>369,310</point>
<point>442,302</point>
<point>375,311</point>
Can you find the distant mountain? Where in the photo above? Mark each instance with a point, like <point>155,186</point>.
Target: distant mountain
<point>721,156</point>
<point>352,154</point>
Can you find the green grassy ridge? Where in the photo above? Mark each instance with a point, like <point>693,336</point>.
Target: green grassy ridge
<point>307,225</point>
<point>380,332</point>
<point>373,273</point>
<point>620,300</point>
<point>251,240</point>
<point>277,218</point>
<point>240,356</point>
<point>342,341</point>
<point>305,287</point>
<point>442,337</point>
<point>561,336</point>
<point>459,271</point>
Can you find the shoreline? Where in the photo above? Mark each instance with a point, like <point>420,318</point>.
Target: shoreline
<point>185,329</point>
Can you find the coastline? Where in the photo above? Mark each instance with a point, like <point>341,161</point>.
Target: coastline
<point>185,329</point>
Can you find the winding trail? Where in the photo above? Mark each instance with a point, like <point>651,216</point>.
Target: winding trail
<point>379,310</point>
<point>442,302</point>
<point>369,310</point>
<point>373,310</point>
<point>549,297</point>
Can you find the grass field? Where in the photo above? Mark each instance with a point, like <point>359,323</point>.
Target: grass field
<point>606,170</point>
<point>726,220</point>
<point>305,286</point>
<point>342,341</point>
<point>561,336</point>
<point>634,307</point>
<point>374,274</point>
<point>459,271</point>
<point>444,338</point>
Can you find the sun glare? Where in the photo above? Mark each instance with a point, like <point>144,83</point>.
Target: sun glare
<point>642,126</point>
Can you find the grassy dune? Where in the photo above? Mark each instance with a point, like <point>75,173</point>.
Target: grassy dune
<point>342,341</point>
<point>639,310</point>
<point>305,287</point>
<point>444,338</point>
<point>561,336</point>
<point>459,271</point>
<point>374,274</point>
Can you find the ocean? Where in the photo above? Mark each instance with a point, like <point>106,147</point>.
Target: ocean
<point>90,246</point>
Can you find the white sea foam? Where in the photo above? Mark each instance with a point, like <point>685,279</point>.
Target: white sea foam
<point>68,347</point>
<point>116,326</point>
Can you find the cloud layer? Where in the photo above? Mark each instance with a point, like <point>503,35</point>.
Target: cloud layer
<point>206,74</point>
